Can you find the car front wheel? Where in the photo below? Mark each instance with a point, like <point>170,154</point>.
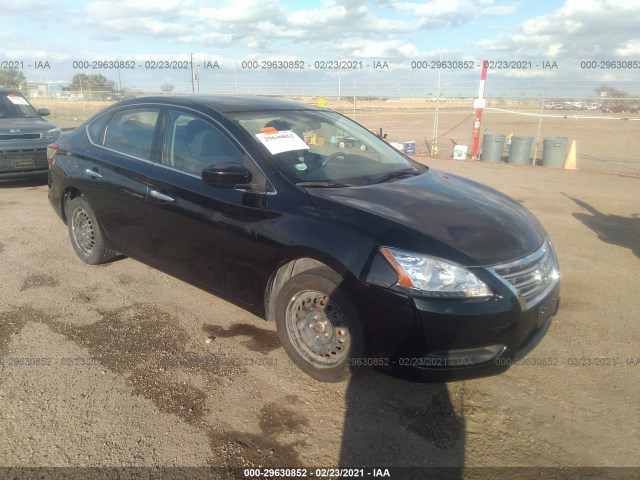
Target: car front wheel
<point>319,327</point>
<point>87,238</point>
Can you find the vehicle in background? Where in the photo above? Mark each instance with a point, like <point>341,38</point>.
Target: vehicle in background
<point>24,136</point>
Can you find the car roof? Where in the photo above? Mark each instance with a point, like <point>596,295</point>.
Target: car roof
<point>4,91</point>
<point>225,103</point>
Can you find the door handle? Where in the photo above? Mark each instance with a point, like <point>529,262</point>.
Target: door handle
<point>92,173</point>
<point>162,196</point>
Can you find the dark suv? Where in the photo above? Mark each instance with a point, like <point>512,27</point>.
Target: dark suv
<point>24,136</point>
<point>360,256</point>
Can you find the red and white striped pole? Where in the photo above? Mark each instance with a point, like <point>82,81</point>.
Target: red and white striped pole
<point>478,104</point>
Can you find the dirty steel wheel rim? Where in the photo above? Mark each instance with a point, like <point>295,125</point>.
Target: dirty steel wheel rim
<point>84,234</point>
<point>317,328</point>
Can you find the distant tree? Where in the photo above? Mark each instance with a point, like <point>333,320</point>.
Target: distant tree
<point>81,82</point>
<point>610,92</point>
<point>167,88</point>
<point>11,78</point>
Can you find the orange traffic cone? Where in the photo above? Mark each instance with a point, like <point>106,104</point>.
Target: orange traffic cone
<point>570,162</point>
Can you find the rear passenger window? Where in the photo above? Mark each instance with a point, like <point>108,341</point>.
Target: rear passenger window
<point>96,129</point>
<point>131,132</point>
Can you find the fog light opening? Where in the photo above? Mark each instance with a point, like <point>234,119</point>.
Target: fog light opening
<point>465,357</point>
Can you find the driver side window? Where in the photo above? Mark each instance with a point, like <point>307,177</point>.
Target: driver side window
<point>193,144</point>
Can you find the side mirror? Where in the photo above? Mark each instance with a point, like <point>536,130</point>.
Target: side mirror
<point>226,175</point>
<point>43,112</point>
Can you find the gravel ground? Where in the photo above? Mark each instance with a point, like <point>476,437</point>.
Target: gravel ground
<point>124,366</point>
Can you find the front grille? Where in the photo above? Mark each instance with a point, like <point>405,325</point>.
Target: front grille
<point>20,136</point>
<point>23,159</point>
<point>533,276</point>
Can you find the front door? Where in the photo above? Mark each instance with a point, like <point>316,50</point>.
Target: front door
<point>204,233</point>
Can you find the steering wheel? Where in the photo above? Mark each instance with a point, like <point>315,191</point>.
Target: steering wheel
<point>333,156</point>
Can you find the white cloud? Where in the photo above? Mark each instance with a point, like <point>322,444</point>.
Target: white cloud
<point>629,49</point>
<point>580,29</point>
<point>498,11</point>
<point>124,8</point>
<point>554,50</point>
<point>437,14</point>
<point>242,11</point>
<point>41,54</point>
<point>441,14</point>
<point>377,50</point>
<point>24,7</point>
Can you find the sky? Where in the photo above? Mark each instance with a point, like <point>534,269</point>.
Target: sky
<point>382,47</point>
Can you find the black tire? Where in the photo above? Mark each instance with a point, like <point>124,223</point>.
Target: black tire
<point>319,327</point>
<point>86,236</point>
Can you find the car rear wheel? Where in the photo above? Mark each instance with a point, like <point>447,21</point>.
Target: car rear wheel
<point>319,327</point>
<point>87,238</point>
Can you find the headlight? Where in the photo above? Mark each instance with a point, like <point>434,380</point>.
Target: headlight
<point>52,135</point>
<point>433,277</point>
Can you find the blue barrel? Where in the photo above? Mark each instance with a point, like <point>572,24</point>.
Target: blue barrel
<point>410,147</point>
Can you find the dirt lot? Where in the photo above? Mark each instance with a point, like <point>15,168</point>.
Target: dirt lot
<point>121,365</point>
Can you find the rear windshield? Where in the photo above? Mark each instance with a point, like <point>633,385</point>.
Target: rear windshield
<point>16,106</point>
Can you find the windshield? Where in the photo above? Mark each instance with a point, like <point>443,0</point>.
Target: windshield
<point>16,106</point>
<point>322,148</point>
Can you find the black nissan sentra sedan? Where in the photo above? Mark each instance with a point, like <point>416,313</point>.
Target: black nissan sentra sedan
<point>361,255</point>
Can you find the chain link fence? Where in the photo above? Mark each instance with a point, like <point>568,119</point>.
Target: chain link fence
<point>606,133</point>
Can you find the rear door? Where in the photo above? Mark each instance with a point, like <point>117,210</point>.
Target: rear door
<point>200,232</point>
<point>114,175</point>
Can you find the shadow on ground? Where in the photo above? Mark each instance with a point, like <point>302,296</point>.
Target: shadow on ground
<point>24,183</point>
<point>613,229</point>
<point>394,423</point>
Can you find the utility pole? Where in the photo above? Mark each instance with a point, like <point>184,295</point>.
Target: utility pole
<point>436,120</point>
<point>478,104</point>
<point>193,87</point>
<point>340,75</point>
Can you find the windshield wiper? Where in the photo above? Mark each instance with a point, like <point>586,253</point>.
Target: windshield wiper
<point>397,174</point>
<point>324,184</point>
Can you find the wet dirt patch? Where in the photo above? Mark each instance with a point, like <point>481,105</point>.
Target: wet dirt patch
<point>12,322</point>
<point>277,419</point>
<point>136,341</point>
<point>181,399</point>
<point>83,296</point>
<point>128,337</point>
<point>436,422</point>
<point>37,280</point>
<point>126,279</point>
<point>260,340</point>
<point>242,449</point>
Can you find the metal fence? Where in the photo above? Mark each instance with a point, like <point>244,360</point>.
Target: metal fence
<point>606,133</point>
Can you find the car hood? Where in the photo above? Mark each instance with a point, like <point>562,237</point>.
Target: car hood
<point>25,125</point>
<point>484,225</point>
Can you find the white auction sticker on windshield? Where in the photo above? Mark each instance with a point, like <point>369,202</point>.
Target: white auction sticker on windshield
<point>284,141</point>
<point>17,100</point>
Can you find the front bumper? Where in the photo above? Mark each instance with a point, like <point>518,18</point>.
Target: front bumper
<point>434,340</point>
<point>29,161</point>
<point>40,174</point>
